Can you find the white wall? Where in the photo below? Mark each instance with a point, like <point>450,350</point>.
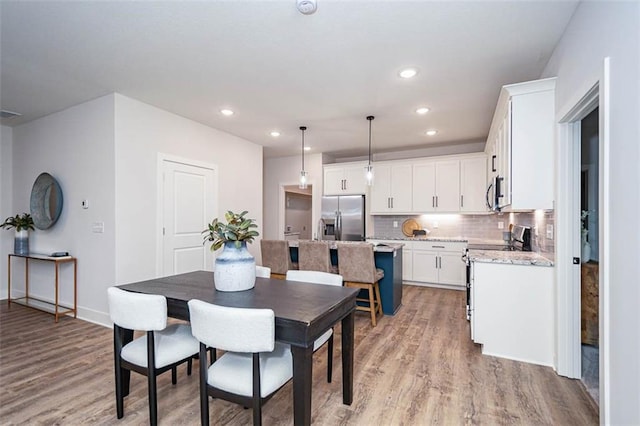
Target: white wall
<point>76,146</point>
<point>144,131</point>
<point>598,30</point>
<point>6,195</point>
<point>285,171</point>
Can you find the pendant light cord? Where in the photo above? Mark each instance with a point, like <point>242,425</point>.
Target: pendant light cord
<point>303,128</point>
<point>370,118</point>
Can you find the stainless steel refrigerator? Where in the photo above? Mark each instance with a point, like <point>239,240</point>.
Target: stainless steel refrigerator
<point>343,218</point>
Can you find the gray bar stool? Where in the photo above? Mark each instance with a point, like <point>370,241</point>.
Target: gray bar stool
<point>275,255</point>
<point>315,256</point>
<point>357,267</point>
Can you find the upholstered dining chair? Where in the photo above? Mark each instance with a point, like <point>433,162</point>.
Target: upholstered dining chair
<point>316,277</point>
<point>160,349</point>
<point>357,266</point>
<point>276,255</point>
<point>254,365</point>
<point>263,271</point>
<point>315,256</point>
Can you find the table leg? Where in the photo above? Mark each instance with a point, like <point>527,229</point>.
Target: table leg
<point>347,357</point>
<point>56,305</point>
<point>75,288</point>
<point>26,277</point>
<point>9,280</point>
<point>302,376</point>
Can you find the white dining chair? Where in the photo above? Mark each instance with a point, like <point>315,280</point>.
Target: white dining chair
<point>160,349</point>
<point>317,277</point>
<point>254,365</point>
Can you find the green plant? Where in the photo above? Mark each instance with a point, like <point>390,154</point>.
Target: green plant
<point>237,229</point>
<point>20,222</point>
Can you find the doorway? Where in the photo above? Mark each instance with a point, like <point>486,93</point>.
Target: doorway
<point>298,212</point>
<point>589,268</point>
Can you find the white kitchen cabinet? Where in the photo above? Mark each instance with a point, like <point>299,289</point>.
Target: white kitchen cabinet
<point>473,178</point>
<point>345,179</point>
<point>439,263</point>
<point>407,261</point>
<point>512,312</point>
<point>521,137</point>
<point>391,190</point>
<point>436,186</point>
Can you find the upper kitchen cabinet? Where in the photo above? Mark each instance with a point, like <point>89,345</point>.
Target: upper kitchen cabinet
<point>520,145</point>
<point>345,179</point>
<point>391,190</point>
<point>473,175</point>
<point>436,186</point>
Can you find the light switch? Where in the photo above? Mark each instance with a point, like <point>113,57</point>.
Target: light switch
<point>395,223</point>
<point>550,232</point>
<point>85,204</point>
<point>501,225</point>
<point>97,227</point>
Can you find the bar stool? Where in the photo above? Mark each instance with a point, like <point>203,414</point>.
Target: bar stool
<point>315,256</point>
<point>275,255</point>
<point>357,267</point>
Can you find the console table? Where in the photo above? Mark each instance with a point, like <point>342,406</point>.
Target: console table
<point>53,308</point>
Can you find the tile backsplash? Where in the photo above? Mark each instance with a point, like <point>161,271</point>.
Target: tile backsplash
<point>473,226</point>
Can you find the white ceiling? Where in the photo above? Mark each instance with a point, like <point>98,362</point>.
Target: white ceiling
<point>279,69</point>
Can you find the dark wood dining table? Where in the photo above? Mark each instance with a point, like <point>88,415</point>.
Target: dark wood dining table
<point>303,312</point>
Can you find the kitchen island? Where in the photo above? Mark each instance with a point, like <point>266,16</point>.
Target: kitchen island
<point>387,257</point>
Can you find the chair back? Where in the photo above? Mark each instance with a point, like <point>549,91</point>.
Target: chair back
<point>356,262</point>
<point>315,277</point>
<point>232,329</point>
<point>263,271</point>
<point>275,255</point>
<point>135,311</point>
<point>314,256</point>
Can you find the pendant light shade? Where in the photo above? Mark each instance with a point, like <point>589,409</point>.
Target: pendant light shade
<point>303,174</point>
<point>369,168</point>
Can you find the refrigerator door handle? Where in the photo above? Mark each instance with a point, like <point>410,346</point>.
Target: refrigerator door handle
<point>338,226</point>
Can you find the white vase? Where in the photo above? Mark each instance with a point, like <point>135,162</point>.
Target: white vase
<point>21,242</point>
<point>235,269</point>
<point>586,251</point>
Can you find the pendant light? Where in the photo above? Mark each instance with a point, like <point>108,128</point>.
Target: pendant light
<point>303,174</point>
<point>369,168</point>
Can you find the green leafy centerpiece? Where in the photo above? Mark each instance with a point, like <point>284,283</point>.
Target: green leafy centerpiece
<point>22,224</point>
<point>235,267</point>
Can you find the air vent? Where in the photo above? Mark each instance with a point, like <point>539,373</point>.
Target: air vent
<point>8,114</point>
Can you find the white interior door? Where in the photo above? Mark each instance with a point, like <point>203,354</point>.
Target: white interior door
<point>189,201</point>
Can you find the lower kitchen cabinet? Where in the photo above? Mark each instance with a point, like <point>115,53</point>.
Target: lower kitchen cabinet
<point>437,263</point>
<point>512,311</point>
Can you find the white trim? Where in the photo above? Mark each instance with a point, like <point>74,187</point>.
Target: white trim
<point>282,207</point>
<point>161,159</point>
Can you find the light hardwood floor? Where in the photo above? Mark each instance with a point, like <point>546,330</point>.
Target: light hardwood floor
<point>418,367</point>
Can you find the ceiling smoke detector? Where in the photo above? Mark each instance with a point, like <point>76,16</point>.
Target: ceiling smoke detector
<point>307,7</point>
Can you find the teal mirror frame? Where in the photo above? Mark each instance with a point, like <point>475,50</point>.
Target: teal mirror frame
<point>46,201</point>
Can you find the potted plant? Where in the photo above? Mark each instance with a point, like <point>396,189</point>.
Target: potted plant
<point>235,267</point>
<point>22,224</point>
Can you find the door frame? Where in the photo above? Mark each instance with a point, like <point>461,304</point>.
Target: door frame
<point>282,200</point>
<point>568,340</point>
<point>161,159</point>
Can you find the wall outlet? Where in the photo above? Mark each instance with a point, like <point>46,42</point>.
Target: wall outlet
<point>435,225</point>
<point>97,227</point>
<point>550,232</point>
<point>501,225</point>
<point>395,223</point>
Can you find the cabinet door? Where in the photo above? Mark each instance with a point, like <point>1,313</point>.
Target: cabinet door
<point>448,186</point>
<point>472,185</point>
<point>333,181</point>
<point>381,189</point>
<point>401,184</point>
<point>425,266</point>
<point>452,269</point>
<point>407,264</point>
<point>424,187</point>
<point>355,180</point>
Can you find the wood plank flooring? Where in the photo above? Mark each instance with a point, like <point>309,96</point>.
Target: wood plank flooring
<point>418,367</point>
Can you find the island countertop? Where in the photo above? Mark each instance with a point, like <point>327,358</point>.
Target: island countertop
<point>333,245</point>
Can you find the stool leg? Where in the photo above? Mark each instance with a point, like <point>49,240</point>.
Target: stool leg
<point>372,304</point>
<point>377,287</point>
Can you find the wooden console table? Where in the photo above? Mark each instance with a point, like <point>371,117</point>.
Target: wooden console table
<point>53,308</point>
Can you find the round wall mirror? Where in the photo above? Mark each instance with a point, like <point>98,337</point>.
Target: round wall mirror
<point>46,201</point>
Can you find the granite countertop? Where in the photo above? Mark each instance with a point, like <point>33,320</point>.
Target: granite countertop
<point>425,238</point>
<point>383,248</point>
<point>509,257</point>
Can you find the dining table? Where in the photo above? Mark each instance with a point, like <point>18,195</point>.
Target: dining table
<point>303,312</point>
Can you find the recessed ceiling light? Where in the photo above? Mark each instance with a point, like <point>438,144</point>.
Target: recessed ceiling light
<point>431,132</point>
<point>226,112</point>
<point>422,110</point>
<point>408,72</point>
<point>307,148</point>
<point>275,134</point>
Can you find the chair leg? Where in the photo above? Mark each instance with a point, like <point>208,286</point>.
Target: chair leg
<point>330,359</point>
<point>204,400</point>
<point>174,375</point>
<point>151,376</point>
<point>117,347</point>
<point>377,288</point>
<point>372,305</point>
<point>189,366</point>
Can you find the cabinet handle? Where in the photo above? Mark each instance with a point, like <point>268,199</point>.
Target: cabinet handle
<point>437,247</point>
<point>345,184</point>
<point>436,201</point>
<point>462,201</point>
<point>433,201</point>
<point>388,202</point>
<point>493,163</point>
<point>436,262</point>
